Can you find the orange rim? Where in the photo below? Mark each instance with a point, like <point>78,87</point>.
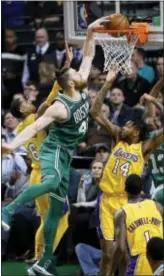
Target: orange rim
<point>141,29</point>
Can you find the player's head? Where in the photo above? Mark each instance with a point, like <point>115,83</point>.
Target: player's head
<point>155,252</point>
<point>20,108</point>
<point>69,78</point>
<point>134,129</point>
<point>134,185</point>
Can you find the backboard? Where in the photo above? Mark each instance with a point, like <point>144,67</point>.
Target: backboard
<point>78,14</point>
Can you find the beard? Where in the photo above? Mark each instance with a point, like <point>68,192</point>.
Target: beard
<point>81,84</point>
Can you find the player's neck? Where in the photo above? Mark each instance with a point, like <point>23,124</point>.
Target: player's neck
<point>134,199</point>
<point>72,93</point>
<point>133,140</point>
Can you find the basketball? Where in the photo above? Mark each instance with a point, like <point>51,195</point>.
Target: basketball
<point>118,21</point>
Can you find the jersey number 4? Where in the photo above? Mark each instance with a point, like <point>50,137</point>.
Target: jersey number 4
<point>124,168</point>
<point>83,127</point>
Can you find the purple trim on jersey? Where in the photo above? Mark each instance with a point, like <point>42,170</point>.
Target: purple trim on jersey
<point>132,266</point>
<point>98,223</point>
<point>66,207</point>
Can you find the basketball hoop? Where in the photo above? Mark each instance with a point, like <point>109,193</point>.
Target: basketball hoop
<point>118,45</point>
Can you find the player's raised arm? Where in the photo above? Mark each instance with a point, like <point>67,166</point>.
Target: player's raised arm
<point>119,252</point>
<point>96,109</point>
<point>151,144</point>
<point>89,47</point>
<point>56,112</point>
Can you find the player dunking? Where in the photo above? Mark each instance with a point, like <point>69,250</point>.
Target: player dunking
<point>22,109</point>
<point>68,117</point>
<point>135,223</point>
<point>128,156</point>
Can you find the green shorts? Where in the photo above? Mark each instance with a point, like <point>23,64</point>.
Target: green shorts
<point>55,165</point>
<point>159,194</point>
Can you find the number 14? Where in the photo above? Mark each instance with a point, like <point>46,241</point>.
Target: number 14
<point>124,168</point>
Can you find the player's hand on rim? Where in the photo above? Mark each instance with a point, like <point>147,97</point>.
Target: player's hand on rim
<point>99,23</point>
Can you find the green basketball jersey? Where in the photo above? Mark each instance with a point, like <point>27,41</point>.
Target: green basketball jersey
<point>71,132</point>
<point>156,165</point>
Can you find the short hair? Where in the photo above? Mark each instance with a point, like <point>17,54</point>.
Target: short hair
<point>15,108</point>
<point>62,76</point>
<point>134,184</point>
<point>141,52</point>
<point>155,248</point>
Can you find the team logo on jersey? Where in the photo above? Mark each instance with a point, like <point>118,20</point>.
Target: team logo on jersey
<point>126,155</point>
<point>83,95</point>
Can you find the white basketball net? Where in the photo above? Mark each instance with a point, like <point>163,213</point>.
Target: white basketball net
<point>117,51</point>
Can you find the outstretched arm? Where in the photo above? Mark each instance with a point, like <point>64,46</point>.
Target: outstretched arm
<point>89,47</point>
<point>119,251</point>
<point>96,109</point>
<point>56,112</point>
<point>151,144</point>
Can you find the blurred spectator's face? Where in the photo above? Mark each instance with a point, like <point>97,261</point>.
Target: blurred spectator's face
<point>105,111</point>
<point>95,72</point>
<point>41,37</point>
<point>102,155</point>
<point>160,66</point>
<point>92,95</point>
<point>18,96</point>
<point>135,56</point>
<point>97,169</point>
<point>101,79</point>
<point>59,40</point>
<point>31,92</point>
<point>10,122</point>
<point>10,37</point>
<point>160,98</point>
<point>133,73</point>
<point>116,96</point>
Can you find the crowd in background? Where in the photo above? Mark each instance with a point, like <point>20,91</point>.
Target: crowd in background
<point>30,73</point>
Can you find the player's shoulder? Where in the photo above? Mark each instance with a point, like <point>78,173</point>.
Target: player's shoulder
<point>26,122</point>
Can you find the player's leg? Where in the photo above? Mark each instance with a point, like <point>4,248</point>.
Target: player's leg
<point>106,234</point>
<point>63,224</point>
<point>51,181</point>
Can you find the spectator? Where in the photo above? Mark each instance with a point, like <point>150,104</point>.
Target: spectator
<point>11,45</point>
<point>88,190</point>
<point>36,56</point>
<point>120,113</point>
<point>10,124</point>
<point>144,70</point>
<point>89,259</point>
<point>12,66</point>
<point>133,86</point>
<point>96,134</point>
<point>102,153</point>
<point>155,255</point>
<point>160,67</point>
